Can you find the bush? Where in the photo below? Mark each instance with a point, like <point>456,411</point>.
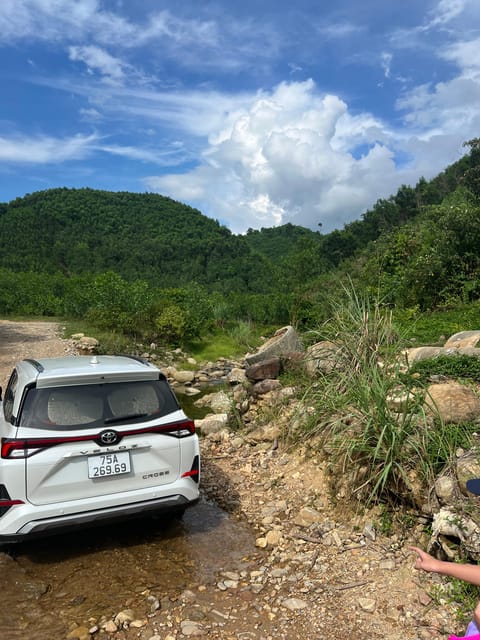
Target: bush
<point>452,366</point>
<point>373,444</point>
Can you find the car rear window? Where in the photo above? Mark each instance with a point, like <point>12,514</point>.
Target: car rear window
<point>97,404</point>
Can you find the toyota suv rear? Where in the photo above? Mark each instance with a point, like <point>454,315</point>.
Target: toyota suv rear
<point>88,439</point>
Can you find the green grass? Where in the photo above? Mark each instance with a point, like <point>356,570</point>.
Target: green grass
<point>110,342</point>
<point>213,348</point>
<point>372,443</point>
<point>232,341</point>
<point>459,367</point>
<point>434,327</point>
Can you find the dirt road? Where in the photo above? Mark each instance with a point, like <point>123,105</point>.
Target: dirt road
<point>29,340</point>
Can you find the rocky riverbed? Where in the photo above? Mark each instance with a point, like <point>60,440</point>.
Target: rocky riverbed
<point>315,567</point>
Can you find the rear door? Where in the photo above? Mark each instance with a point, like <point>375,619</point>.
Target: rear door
<point>98,440</point>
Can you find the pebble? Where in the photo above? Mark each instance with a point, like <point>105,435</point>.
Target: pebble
<point>294,603</point>
<point>367,604</point>
<point>191,628</point>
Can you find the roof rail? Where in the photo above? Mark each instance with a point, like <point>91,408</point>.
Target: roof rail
<point>35,364</point>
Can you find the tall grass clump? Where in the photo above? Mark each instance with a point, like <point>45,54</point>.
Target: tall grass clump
<point>369,418</point>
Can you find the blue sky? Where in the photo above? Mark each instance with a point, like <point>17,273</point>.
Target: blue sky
<point>257,112</point>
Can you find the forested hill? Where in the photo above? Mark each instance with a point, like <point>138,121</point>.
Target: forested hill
<point>139,236</point>
<point>148,237</point>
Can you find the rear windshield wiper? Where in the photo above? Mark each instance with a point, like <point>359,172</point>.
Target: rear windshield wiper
<point>127,416</point>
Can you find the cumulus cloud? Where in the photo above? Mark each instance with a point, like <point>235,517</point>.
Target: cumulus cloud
<point>289,157</point>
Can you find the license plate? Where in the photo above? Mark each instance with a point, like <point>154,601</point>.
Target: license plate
<point>108,464</point>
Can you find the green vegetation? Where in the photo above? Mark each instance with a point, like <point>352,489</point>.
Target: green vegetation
<point>152,269</point>
<point>458,367</point>
<point>368,416</point>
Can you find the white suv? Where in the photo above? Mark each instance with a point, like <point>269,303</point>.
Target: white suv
<point>88,439</point>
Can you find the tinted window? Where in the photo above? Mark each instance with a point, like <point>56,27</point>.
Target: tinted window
<point>10,396</point>
<point>95,405</point>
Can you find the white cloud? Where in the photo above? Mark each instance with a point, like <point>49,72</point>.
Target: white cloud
<point>386,61</point>
<point>111,68</point>
<point>62,20</point>
<point>44,149</point>
<point>288,158</point>
<point>192,42</point>
<point>464,55</point>
<point>446,11</point>
<point>166,157</point>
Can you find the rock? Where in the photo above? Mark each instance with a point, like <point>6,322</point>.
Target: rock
<point>184,377</point>
<point>191,628</point>
<point>79,633</point>
<point>124,617</point>
<point>191,391</point>
<point>421,353</point>
<point>269,368</point>
<point>273,538</point>
<point>265,386</point>
<point>453,402</point>
<point>367,604</point>
<point>261,542</point>
<point>308,516</point>
<point>463,339</point>
<point>369,531</point>
<point>265,433</point>
<point>445,487</point>
<point>110,627</point>
<point>468,466</point>
<point>284,341</point>
<point>322,357</point>
<point>137,624</point>
<point>212,423</point>
<point>236,376</point>
<point>293,604</point>
<point>86,346</point>
<point>219,402</point>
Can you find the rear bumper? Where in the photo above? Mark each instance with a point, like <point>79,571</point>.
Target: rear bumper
<point>55,525</point>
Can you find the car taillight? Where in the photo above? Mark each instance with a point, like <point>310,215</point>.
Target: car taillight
<point>178,429</point>
<point>24,448</point>
<point>27,447</point>
<point>5,501</point>
<point>194,472</point>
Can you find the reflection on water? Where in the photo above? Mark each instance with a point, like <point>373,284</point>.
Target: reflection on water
<point>187,402</point>
<point>49,583</point>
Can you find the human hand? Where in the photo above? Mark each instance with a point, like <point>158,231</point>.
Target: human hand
<point>424,560</point>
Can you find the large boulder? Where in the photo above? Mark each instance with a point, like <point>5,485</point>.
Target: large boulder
<point>422,353</point>
<point>463,339</point>
<point>212,423</point>
<point>322,357</point>
<point>219,402</point>
<point>269,368</point>
<point>453,402</point>
<point>284,341</point>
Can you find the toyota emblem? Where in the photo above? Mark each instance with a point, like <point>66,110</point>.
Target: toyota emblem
<point>109,437</point>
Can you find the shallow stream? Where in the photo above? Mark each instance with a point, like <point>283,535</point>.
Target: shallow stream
<point>49,584</point>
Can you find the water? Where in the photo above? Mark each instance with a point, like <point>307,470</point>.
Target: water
<point>48,584</point>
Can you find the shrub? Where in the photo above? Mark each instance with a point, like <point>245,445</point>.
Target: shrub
<point>451,366</point>
<point>375,445</point>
